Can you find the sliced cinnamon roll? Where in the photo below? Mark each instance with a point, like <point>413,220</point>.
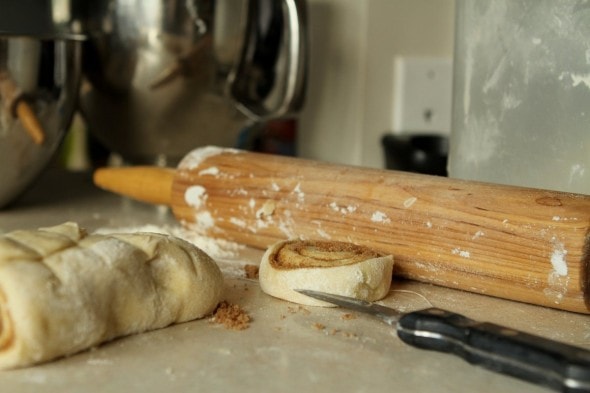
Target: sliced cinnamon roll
<point>328,266</point>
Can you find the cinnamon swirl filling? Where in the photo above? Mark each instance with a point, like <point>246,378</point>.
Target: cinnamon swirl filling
<point>317,254</point>
<point>6,331</point>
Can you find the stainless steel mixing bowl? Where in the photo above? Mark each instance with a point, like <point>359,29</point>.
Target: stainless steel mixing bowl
<point>39,81</point>
<point>163,77</point>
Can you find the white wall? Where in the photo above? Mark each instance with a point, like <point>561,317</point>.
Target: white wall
<point>353,43</point>
<point>329,123</point>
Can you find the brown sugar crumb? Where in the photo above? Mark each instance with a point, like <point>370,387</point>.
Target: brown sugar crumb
<point>349,335</point>
<point>251,271</point>
<point>348,316</point>
<point>318,326</point>
<point>231,316</point>
<point>301,309</point>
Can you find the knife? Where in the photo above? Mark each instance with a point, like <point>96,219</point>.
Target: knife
<point>535,359</point>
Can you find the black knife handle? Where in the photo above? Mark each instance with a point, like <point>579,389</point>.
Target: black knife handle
<point>535,359</point>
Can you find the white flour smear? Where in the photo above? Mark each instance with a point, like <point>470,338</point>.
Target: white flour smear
<point>224,252</point>
<point>194,158</point>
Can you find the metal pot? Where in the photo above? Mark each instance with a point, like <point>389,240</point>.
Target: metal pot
<point>164,76</point>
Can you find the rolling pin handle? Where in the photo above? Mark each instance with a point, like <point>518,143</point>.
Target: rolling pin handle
<point>142,183</point>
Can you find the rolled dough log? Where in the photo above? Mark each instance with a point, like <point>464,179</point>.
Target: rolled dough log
<point>62,291</point>
<point>333,267</point>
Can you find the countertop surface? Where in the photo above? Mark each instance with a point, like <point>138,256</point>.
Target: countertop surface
<point>287,348</point>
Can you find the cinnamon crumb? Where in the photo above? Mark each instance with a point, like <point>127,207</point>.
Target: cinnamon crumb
<point>251,271</point>
<point>348,316</point>
<point>319,326</point>
<point>303,310</point>
<point>299,308</point>
<point>231,316</point>
<point>349,335</point>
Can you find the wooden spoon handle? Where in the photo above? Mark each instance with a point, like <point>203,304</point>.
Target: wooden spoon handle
<point>21,109</point>
<point>30,122</point>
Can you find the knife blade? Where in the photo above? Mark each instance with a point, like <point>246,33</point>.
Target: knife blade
<point>535,359</point>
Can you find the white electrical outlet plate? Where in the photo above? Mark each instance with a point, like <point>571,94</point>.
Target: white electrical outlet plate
<point>422,95</point>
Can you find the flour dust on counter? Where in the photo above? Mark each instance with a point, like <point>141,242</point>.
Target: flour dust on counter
<point>216,248</point>
<point>234,259</point>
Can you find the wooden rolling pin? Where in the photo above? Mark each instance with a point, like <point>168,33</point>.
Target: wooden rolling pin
<point>515,243</point>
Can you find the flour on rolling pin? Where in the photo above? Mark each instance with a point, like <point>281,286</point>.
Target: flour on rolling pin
<point>264,211</point>
<point>558,279</point>
<point>196,157</point>
<point>196,196</point>
<point>510,242</point>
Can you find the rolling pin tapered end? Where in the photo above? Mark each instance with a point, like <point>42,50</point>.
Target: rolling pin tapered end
<point>143,183</point>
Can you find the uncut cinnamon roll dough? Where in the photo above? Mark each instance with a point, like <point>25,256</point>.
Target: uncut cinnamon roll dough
<point>334,267</point>
<point>62,291</point>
